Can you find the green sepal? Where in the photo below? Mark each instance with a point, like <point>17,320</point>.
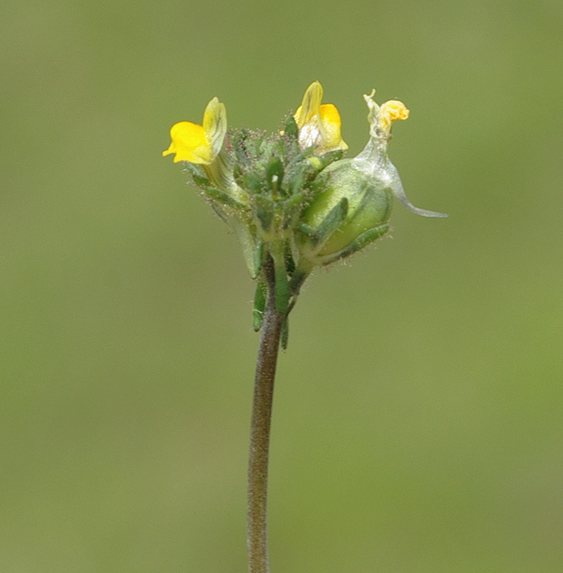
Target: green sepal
<point>264,211</point>
<point>200,181</point>
<point>331,222</point>
<point>294,201</point>
<point>307,167</point>
<point>274,173</point>
<point>298,277</point>
<point>265,148</point>
<point>259,305</point>
<point>197,174</point>
<point>319,162</point>
<point>242,139</point>
<point>309,231</point>
<point>248,242</point>
<point>359,243</point>
<point>238,175</point>
<point>296,181</point>
<point>291,209</point>
<point>291,129</point>
<point>251,181</point>
<point>224,199</point>
<point>330,157</point>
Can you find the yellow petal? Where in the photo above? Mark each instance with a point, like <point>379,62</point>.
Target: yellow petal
<point>169,151</point>
<point>331,127</point>
<point>189,143</point>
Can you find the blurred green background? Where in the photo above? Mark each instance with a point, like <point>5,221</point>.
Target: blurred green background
<point>418,422</point>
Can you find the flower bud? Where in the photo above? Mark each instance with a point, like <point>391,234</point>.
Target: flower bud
<point>350,210</point>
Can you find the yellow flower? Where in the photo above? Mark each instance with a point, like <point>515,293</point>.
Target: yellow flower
<point>319,124</point>
<point>199,143</point>
<point>391,111</point>
<point>382,117</point>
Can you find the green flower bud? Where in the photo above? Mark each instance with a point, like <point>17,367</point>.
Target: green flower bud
<point>350,210</point>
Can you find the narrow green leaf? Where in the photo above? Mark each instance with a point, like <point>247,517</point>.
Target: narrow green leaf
<point>360,242</point>
<point>274,173</point>
<point>223,198</point>
<point>253,182</point>
<point>258,257</point>
<point>264,211</point>
<point>298,277</point>
<point>259,305</point>
<point>200,181</point>
<point>282,285</point>
<point>291,209</point>
<point>307,230</point>
<point>289,261</point>
<point>291,130</point>
<point>285,333</point>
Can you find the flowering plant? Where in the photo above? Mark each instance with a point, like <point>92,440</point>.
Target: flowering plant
<point>295,204</point>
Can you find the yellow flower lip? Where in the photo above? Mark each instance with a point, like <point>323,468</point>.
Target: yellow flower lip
<point>189,143</point>
<point>196,143</point>
<point>381,117</point>
<point>391,111</point>
<point>319,124</point>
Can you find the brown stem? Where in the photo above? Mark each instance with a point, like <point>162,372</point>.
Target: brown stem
<point>257,538</point>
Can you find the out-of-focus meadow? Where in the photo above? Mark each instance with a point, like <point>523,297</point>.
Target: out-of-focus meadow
<point>418,422</point>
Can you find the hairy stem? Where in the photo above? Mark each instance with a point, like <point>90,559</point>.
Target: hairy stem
<point>257,538</point>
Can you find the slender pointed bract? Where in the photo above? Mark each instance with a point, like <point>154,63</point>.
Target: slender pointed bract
<point>259,304</point>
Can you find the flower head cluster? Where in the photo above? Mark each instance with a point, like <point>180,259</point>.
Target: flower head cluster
<point>290,196</point>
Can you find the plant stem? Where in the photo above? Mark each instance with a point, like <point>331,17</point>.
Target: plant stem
<point>257,538</point>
